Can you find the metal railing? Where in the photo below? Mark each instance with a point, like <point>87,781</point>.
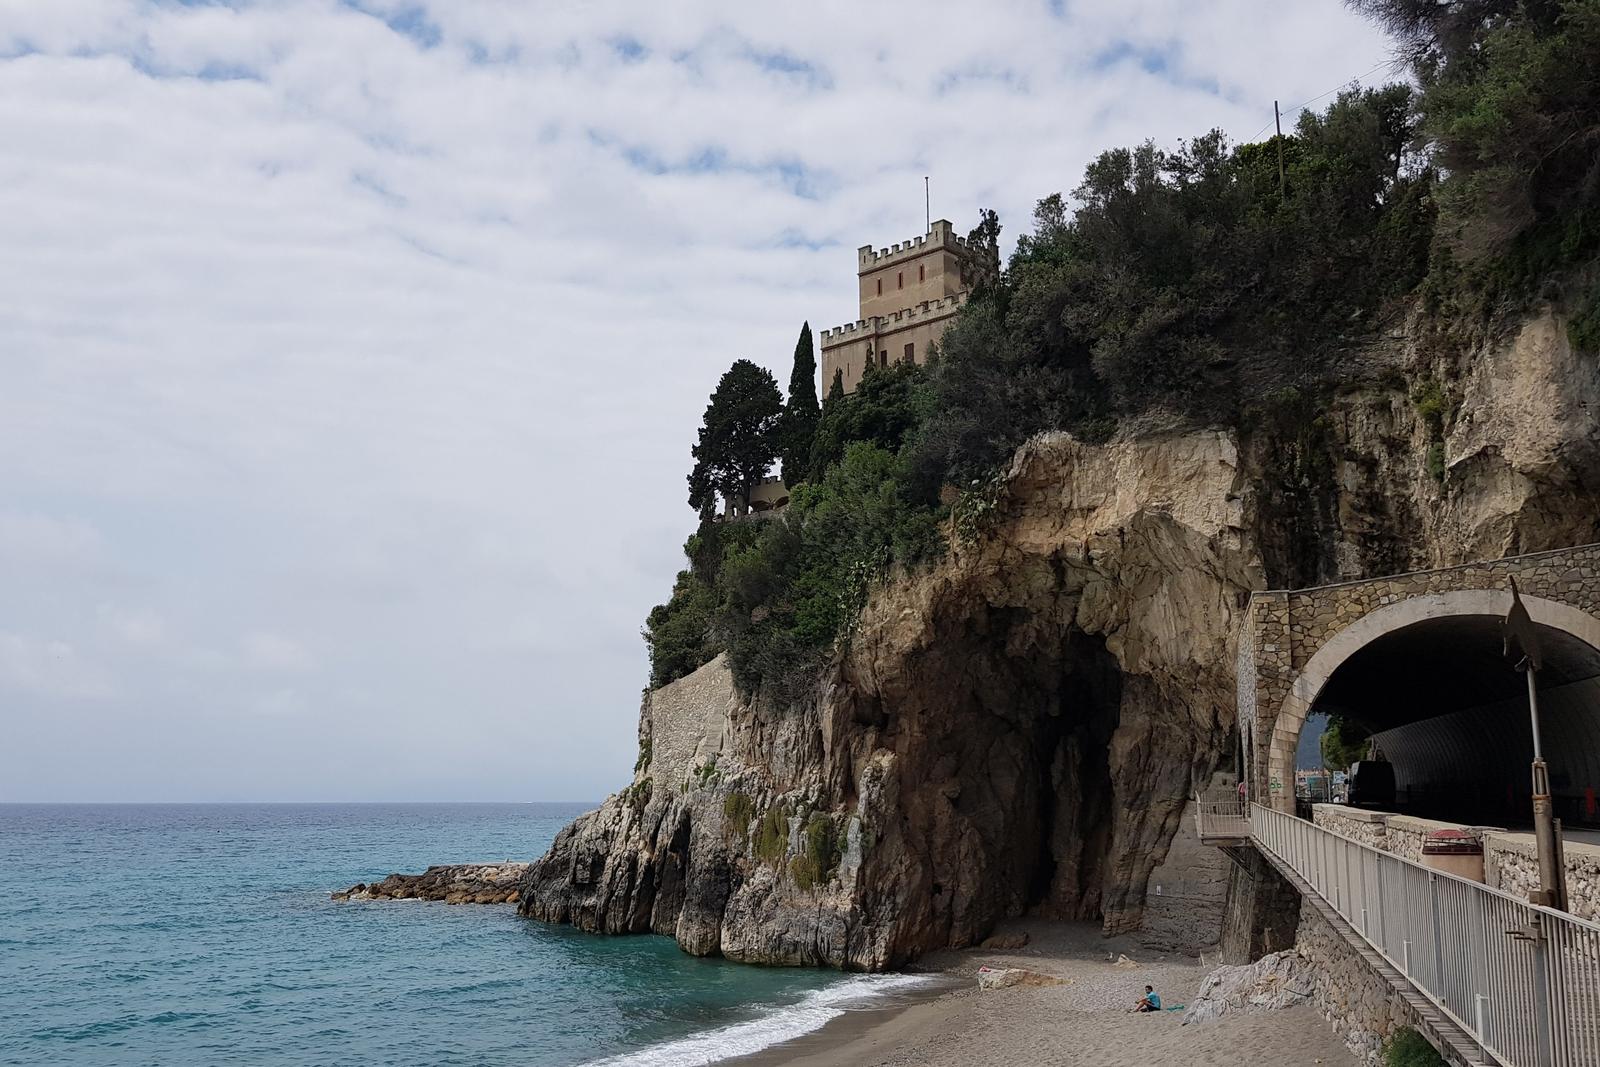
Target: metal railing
<point>1523,980</point>
<point>1221,818</point>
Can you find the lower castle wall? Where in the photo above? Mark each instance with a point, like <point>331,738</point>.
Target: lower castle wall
<point>851,355</point>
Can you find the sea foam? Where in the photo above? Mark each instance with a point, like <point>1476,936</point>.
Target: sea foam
<point>773,1026</point>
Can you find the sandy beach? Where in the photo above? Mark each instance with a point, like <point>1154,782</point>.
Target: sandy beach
<point>1083,1022</point>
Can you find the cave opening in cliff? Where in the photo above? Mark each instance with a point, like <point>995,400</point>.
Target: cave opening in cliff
<point>1074,794</point>
<point>1450,713</point>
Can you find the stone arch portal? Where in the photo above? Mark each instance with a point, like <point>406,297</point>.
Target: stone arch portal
<point>1416,658</point>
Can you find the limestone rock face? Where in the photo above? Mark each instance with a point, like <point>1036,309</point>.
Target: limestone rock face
<point>1280,980</point>
<point>1017,729</point>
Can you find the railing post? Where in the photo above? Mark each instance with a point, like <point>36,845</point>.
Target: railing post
<point>1543,1037</point>
<point>1438,936</point>
<point>1383,919</point>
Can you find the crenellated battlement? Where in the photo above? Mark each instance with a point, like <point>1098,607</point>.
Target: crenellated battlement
<point>927,309</point>
<point>940,235</point>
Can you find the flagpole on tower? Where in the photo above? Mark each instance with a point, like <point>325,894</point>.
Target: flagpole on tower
<point>927,206</point>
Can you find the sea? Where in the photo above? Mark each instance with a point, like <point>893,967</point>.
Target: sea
<point>204,934</point>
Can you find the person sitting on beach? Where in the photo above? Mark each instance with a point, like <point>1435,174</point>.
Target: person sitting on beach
<point>1151,1001</point>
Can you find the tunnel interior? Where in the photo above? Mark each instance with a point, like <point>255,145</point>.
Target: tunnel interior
<point>1451,714</point>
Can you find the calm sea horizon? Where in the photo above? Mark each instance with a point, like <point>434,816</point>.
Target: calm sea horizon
<point>204,933</point>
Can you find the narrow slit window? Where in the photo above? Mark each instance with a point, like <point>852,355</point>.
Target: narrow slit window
<point>922,272</point>
<point>880,286</point>
<point>911,350</point>
<point>900,280</point>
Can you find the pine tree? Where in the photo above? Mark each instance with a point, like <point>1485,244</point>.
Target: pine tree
<point>739,439</point>
<point>802,411</point>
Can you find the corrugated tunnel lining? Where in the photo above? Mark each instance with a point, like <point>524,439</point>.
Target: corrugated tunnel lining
<point>1451,713</point>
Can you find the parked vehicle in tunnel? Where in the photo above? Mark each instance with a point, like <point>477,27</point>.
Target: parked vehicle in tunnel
<point>1371,784</point>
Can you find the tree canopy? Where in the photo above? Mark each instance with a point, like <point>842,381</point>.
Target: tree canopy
<point>738,440</point>
<point>1510,108</point>
<point>1189,280</point>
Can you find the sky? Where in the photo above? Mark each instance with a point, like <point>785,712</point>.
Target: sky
<point>351,352</point>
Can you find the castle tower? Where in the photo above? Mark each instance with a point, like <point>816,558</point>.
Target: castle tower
<point>909,296</point>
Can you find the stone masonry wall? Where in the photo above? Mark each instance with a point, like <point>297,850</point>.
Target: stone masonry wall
<point>1567,575</point>
<point>1285,629</point>
<point>1348,993</point>
<point>1508,860</point>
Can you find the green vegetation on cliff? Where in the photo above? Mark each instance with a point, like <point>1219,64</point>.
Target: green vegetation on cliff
<point>776,593</point>
<point>1187,280</point>
<point>1206,283</point>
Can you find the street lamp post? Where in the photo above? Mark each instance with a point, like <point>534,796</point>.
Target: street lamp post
<point>1522,647</point>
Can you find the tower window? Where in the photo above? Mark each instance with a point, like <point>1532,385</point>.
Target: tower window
<point>883,358</point>
<point>900,280</point>
<point>922,272</point>
<point>880,286</point>
<point>911,352</point>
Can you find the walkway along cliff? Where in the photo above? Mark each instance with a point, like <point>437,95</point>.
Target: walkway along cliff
<point>1016,730</point>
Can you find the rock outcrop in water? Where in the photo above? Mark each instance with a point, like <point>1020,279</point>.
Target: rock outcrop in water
<point>1016,730</point>
<point>460,883</point>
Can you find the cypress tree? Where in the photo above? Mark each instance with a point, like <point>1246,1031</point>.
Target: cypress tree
<point>801,412</point>
<point>836,390</point>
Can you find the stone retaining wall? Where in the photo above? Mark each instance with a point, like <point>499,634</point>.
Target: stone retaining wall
<point>1508,858</point>
<point>1349,994</point>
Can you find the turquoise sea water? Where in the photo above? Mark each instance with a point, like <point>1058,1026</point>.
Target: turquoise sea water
<point>197,934</point>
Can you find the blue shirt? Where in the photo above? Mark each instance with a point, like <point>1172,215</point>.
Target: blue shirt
<point>1154,999</point>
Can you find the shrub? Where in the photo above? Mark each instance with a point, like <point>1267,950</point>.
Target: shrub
<point>1583,328</point>
<point>819,861</point>
<point>737,811</point>
<point>1435,461</point>
<point>772,834</point>
<point>678,633</point>
<point>1407,1048</point>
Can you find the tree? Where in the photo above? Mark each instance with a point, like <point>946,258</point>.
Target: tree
<point>836,389</point>
<point>1509,105</point>
<point>984,242</point>
<point>1343,743</point>
<point>886,409</point>
<point>738,441</point>
<point>801,412</point>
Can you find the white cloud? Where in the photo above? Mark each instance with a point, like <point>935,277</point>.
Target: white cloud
<point>279,703</point>
<point>393,335</point>
<point>28,538</point>
<point>274,652</point>
<point>48,668</point>
<point>138,628</point>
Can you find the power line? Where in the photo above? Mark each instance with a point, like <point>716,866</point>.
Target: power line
<point>1301,107</point>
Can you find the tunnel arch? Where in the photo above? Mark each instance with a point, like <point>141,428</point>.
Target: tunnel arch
<point>1392,619</point>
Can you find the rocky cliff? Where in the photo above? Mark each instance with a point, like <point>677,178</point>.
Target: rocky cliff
<point>1015,730</point>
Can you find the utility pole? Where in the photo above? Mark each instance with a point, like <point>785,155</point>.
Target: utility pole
<point>1277,119</point>
<point>927,206</point>
<point>1522,646</point>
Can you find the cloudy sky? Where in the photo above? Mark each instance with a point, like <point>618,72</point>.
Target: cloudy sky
<point>350,352</point>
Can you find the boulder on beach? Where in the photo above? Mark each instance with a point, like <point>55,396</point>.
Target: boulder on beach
<point>1007,977</point>
<point>1280,980</point>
